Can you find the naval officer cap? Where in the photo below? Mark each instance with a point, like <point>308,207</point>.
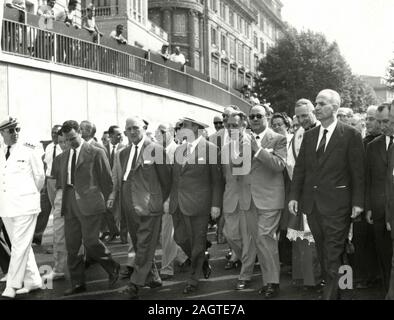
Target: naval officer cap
<point>8,122</point>
<point>200,124</point>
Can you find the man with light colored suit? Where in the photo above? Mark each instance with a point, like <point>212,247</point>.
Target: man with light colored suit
<point>263,196</point>
<point>22,178</point>
<point>86,177</point>
<point>235,226</point>
<point>146,179</point>
<point>195,195</point>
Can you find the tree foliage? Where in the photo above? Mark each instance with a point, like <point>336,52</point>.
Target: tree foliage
<point>301,65</point>
<point>390,75</point>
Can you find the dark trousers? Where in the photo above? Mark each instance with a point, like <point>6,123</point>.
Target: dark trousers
<point>384,249</point>
<point>330,233</point>
<point>80,228</point>
<point>108,223</point>
<point>5,248</point>
<point>190,233</point>
<point>144,232</point>
<point>390,293</point>
<point>43,217</point>
<point>365,258</point>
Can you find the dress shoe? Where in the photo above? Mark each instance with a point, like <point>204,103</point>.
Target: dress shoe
<point>166,277</point>
<point>4,279</point>
<point>131,291</point>
<point>37,240</point>
<point>154,284</point>
<point>271,291</point>
<point>114,276</point>
<point>241,285</point>
<point>26,290</point>
<point>75,290</point>
<point>189,289</point>
<point>54,276</point>
<point>232,265</point>
<point>104,235</point>
<point>206,269</point>
<point>9,293</point>
<point>126,273</point>
<point>229,254</point>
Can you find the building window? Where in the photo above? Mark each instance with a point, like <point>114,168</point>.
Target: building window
<point>213,5</point>
<point>240,53</point>
<point>246,30</point>
<point>197,61</point>
<point>256,63</point>
<point>214,36</point>
<point>137,12</point>
<point>233,77</point>
<point>262,46</point>
<point>239,24</point>
<point>262,23</point>
<point>223,10</point>
<point>180,23</point>
<point>196,33</point>
<point>240,83</point>
<point>255,41</point>
<point>232,48</point>
<point>215,68</point>
<point>223,75</point>
<point>247,57</point>
<point>231,18</point>
<point>223,43</point>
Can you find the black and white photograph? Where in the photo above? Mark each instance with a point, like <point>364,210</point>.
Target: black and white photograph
<point>196,154</point>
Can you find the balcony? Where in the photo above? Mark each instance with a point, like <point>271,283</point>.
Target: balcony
<point>74,48</point>
<point>108,11</point>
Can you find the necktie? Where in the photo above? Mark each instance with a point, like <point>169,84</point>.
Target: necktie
<point>54,152</point>
<point>187,152</point>
<point>322,145</point>
<point>7,155</point>
<point>73,164</point>
<point>111,160</point>
<point>134,162</point>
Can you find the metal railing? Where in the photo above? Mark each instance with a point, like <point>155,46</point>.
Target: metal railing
<point>32,42</point>
<point>107,11</point>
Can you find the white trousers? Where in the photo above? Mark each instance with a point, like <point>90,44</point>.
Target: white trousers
<point>59,242</point>
<point>23,270</point>
<point>171,251</point>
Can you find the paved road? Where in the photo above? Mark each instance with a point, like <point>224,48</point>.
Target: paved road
<point>220,286</point>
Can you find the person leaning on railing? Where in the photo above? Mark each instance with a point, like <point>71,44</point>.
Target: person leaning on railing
<point>117,35</point>
<point>68,14</point>
<point>89,23</point>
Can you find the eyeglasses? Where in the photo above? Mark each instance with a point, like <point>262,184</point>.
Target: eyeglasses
<point>217,123</point>
<point>13,130</point>
<point>277,125</point>
<point>257,116</point>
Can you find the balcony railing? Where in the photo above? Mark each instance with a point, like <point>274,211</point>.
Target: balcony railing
<point>110,58</point>
<point>108,11</point>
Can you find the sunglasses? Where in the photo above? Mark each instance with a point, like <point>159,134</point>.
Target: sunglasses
<point>217,123</point>
<point>13,130</point>
<point>256,116</point>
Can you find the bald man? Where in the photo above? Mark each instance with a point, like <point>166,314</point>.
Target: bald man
<point>328,185</point>
<point>145,186</point>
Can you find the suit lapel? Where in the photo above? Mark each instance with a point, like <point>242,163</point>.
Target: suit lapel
<point>140,160</point>
<point>382,148</point>
<point>315,138</point>
<point>124,157</point>
<point>82,155</point>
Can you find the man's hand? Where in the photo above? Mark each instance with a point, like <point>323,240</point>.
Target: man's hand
<point>215,213</point>
<point>356,212</point>
<point>110,204</point>
<point>368,216</point>
<point>293,207</point>
<point>388,226</point>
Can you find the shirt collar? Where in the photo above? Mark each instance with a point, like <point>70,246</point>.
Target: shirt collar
<point>331,127</point>
<point>261,135</point>
<point>195,143</point>
<point>139,145</point>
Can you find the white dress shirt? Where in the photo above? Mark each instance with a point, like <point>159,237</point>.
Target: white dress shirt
<point>259,138</point>
<point>387,142</point>
<point>78,150</point>
<point>48,158</point>
<point>130,161</point>
<point>330,130</point>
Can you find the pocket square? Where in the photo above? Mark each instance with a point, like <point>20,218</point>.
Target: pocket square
<point>269,150</point>
<point>201,159</point>
<point>147,161</point>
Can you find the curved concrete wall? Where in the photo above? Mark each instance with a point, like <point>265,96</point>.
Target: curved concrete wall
<point>45,94</point>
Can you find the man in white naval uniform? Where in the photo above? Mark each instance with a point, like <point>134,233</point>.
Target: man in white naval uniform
<point>21,179</point>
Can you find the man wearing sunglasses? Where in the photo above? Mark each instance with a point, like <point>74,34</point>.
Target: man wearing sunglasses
<point>263,196</point>
<point>21,181</point>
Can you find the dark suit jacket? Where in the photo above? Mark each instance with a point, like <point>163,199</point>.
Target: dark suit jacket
<point>93,181</point>
<point>197,187</point>
<point>151,179</point>
<point>390,191</point>
<point>336,183</point>
<point>375,177</point>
